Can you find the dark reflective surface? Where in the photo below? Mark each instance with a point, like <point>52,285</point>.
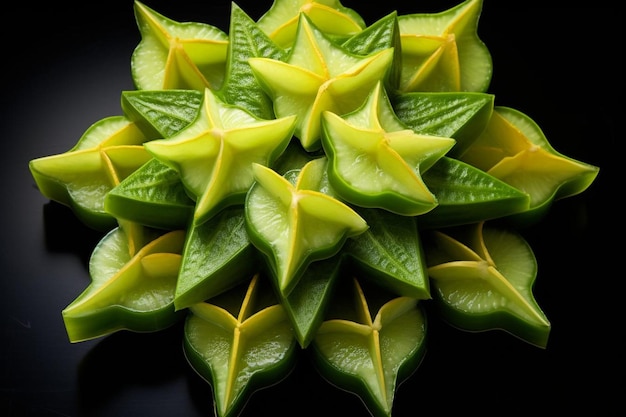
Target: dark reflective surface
<point>560,66</point>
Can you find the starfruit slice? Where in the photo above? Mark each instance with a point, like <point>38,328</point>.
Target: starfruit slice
<point>514,149</point>
<point>375,161</point>
<point>239,344</point>
<point>280,22</point>
<point>293,222</point>
<point>131,288</point>
<point>483,277</point>
<point>218,256</point>
<point>177,55</point>
<point>107,152</point>
<point>390,253</point>
<point>466,194</point>
<point>319,75</point>
<point>215,153</point>
<point>369,351</point>
<point>442,51</point>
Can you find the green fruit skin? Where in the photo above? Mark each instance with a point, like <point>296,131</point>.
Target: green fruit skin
<point>160,216</point>
<point>58,192</point>
<point>161,113</point>
<point>116,318</point>
<point>217,256</point>
<point>154,196</point>
<point>458,205</point>
<point>498,320</point>
<point>307,303</point>
<point>425,113</point>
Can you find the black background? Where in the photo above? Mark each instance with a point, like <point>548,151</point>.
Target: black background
<point>64,66</point>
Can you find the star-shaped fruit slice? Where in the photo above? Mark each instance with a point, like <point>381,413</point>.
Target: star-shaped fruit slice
<point>375,161</point>
<point>514,149</point>
<point>482,278</point>
<point>80,178</point>
<point>215,153</point>
<point>132,287</point>
<point>319,76</point>
<point>293,223</point>
<point>442,51</point>
<point>280,22</point>
<point>177,55</point>
<point>370,346</point>
<point>240,343</point>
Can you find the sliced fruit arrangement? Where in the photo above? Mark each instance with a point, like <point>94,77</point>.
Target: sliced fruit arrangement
<point>310,181</point>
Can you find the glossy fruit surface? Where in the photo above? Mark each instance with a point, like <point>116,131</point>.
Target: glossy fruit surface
<point>484,281</point>
<point>310,181</point>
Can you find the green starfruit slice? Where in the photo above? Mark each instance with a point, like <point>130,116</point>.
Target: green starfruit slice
<point>466,194</point>
<point>131,288</point>
<point>442,51</point>
<point>514,149</point>
<point>461,116</point>
<point>390,252</point>
<point>80,178</point>
<point>240,86</point>
<point>369,354</point>
<point>218,256</point>
<point>319,75</point>
<point>110,131</point>
<point>177,55</point>
<point>161,113</point>
<point>215,153</point>
<point>307,302</point>
<point>293,223</point>
<point>154,196</point>
<point>239,345</point>
<point>376,162</point>
<point>483,277</point>
<point>280,22</point>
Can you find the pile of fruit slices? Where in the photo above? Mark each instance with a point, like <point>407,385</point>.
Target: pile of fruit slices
<point>310,181</point>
